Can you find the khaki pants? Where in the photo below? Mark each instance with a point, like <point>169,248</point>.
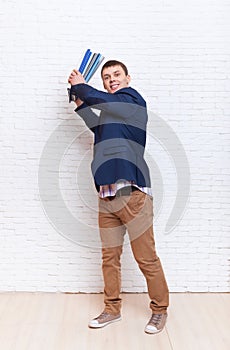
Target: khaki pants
<point>133,213</point>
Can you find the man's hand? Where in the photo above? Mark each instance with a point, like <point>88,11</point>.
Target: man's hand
<point>76,78</point>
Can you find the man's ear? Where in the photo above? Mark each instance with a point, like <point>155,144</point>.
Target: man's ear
<point>128,78</point>
<point>104,86</point>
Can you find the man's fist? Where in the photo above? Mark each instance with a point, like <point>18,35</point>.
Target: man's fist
<point>76,78</point>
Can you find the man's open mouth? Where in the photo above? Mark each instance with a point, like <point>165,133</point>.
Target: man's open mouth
<point>114,86</point>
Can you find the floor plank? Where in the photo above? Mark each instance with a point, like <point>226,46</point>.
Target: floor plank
<point>198,321</point>
<point>58,321</point>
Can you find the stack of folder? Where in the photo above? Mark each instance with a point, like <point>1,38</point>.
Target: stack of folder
<point>89,65</point>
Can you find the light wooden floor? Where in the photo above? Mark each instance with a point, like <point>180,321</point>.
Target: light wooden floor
<point>50,321</point>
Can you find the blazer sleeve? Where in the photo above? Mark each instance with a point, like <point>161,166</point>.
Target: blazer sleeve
<point>90,118</point>
<point>106,101</point>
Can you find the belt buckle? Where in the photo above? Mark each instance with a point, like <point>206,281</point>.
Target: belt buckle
<point>124,191</point>
<point>118,193</point>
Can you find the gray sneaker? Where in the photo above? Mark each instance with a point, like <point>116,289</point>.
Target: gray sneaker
<point>103,320</point>
<point>156,323</point>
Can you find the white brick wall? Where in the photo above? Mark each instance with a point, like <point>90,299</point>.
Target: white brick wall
<point>178,56</point>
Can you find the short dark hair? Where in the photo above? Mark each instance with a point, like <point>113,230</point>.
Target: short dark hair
<point>112,63</point>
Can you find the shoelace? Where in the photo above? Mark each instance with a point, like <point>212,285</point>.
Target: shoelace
<point>155,319</point>
<point>102,315</point>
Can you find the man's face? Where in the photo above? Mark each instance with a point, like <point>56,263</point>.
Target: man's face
<point>114,78</point>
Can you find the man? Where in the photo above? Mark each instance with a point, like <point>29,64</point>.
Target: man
<point>122,180</point>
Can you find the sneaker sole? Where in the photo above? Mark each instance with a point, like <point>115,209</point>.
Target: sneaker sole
<point>101,325</point>
<point>149,332</point>
<point>158,331</point>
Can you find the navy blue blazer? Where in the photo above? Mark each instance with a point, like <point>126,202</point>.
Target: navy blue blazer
<point>119,134</point>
